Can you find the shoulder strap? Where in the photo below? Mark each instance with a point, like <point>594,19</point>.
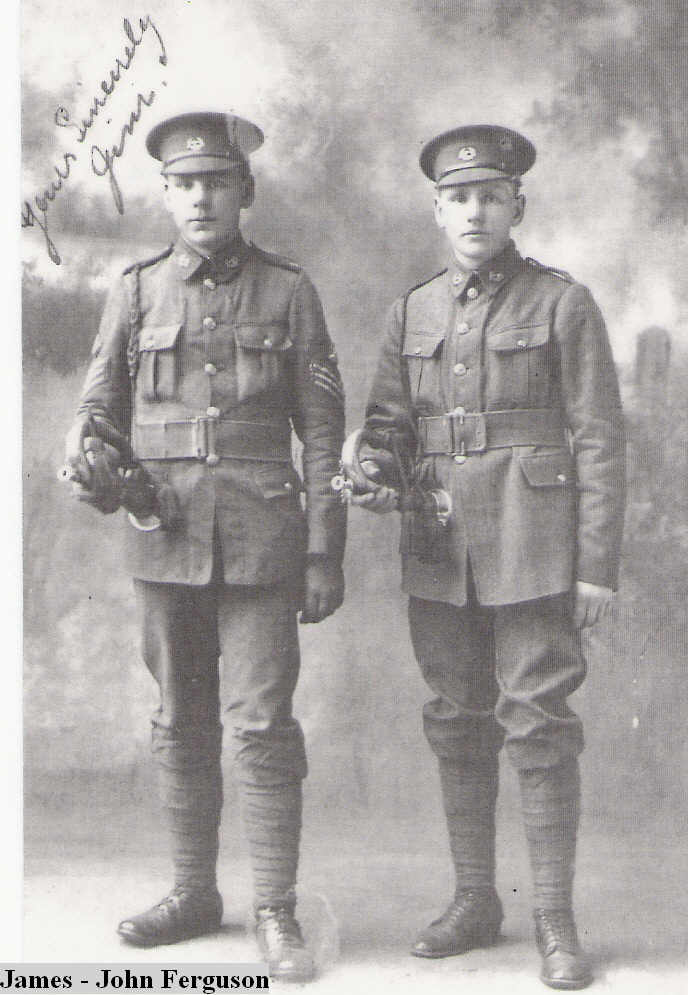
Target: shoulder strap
<point>561,273</point>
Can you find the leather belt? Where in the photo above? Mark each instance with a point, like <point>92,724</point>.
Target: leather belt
<point>212,439</point>
<point>464,432</point>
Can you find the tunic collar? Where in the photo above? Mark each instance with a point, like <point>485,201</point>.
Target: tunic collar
<point>490,277</point>
<point>223,265</point>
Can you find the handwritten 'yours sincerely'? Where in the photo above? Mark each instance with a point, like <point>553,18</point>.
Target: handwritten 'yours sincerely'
<point>101,160</point>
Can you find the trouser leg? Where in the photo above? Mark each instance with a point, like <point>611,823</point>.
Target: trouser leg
<point>539,663</point>
<point>454,647</point>
<point>180,648</point>
<point>258,636</point>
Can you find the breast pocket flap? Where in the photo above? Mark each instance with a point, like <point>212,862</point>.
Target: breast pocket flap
<point>518,339</point>
<point>266,337</point>
<point>548,469</point>
<point>422,344</point>
<point>155,337</point>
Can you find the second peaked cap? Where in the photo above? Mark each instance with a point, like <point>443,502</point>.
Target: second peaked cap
<point>474,153</point>
<point>203,142</point>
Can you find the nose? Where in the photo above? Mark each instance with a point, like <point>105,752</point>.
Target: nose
<point>200,193</point>
<point>474,206</point>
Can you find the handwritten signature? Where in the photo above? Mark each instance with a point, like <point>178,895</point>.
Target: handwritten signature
<point>34,211</point>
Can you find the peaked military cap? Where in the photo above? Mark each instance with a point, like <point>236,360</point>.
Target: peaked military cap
<point>476,152</point>
<point>203,142</point>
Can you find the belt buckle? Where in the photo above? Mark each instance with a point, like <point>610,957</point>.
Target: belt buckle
<point>200,437</point>
<point>468,432</point>
<point>457,418</point>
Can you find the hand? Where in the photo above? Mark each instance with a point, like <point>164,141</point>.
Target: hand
<point>381,501</point>
<point>591,603</point>
<point>324,589</point>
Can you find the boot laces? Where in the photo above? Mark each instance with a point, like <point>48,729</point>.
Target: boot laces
<point>283,926</point>
<point>464,902</point>
<point>557,930</point>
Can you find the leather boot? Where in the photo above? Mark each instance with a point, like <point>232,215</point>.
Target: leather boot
<point>472,920</point>
<point>564,964</point>
<point>281,945</point>
<point>179,916</point>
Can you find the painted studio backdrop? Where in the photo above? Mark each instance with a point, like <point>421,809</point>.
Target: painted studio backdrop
<point>346,95</point>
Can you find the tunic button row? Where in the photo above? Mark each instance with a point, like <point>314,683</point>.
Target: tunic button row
<point>209,284</point>
<point>460,370</point>
<point>210,369</point>
<point>472,293</point>
<point>209,323</point>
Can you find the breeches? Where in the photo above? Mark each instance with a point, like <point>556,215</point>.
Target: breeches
<point>187,632</point>
<point>500,675</point>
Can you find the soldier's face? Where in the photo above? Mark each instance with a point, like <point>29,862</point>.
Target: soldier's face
<point>206,206</point>
<point>478,218</point>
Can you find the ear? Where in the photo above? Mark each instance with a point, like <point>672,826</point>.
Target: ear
<point>248,191</point>
<point>519,209</point>
<point>166,192</point>
<point>439,214</point>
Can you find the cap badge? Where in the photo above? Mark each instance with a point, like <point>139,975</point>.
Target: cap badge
<point>194,144</point>
<point>467,153</point>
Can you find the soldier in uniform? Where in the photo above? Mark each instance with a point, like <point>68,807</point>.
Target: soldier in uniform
<point>497,389</point>
<point>207,357</point>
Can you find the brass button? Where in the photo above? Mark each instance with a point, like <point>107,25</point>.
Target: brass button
<point>213,412</point>
<point>213,459</point>
<point>457,279</point>
<point>561,477</point>
<point>521,343</point>
<point>460,459</point>
<point>210,369</point>
<point>183,260</point>
<point>288,486</point>
<point>417,351</point>
<point>267,343</point>
<point>472,293</point>
<point>463,328</point>
<point>460,370</point>
<point>209,323</point>
<point>209,283</point>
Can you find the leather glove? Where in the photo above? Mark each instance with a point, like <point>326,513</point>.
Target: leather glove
<point>99,478</point>
<point>324,588</point>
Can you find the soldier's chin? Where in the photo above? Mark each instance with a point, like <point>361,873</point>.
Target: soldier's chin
<point>204,236</point>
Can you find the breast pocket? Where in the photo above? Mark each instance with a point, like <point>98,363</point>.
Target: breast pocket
<point>158,372</point>
<point>422,353</point>
<point>263,354</point>
<point>520,366</point>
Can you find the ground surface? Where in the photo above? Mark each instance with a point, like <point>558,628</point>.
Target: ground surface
<point>363,898</point>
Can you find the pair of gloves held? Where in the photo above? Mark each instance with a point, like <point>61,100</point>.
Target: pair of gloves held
<point>591,602</point>
<point>100,478</point>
